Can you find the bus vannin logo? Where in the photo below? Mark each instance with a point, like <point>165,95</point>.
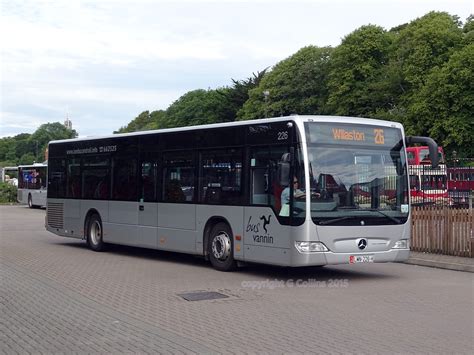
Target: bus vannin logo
<point>266,221</point>
<point>258,235</point>
<point>362,243</point>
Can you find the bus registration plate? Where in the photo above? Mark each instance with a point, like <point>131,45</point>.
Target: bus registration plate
<point>353,259</point>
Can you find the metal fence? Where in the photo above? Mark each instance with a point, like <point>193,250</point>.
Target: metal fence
<point>449,184</point>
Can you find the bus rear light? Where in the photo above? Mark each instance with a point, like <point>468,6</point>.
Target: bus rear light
<point>238,237</point>
<point>310,247</point>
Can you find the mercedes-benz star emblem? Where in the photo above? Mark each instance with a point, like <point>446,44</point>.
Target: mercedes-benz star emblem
<point>362,243</point>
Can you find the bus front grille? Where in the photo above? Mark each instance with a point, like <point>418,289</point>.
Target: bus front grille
<point>54,212</point>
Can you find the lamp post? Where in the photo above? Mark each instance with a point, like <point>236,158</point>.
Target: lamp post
<point>266,93</point>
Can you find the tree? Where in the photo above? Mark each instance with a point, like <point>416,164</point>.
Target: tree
<point>12,148</point>
<point>196,108</point>
<point>144,121</point>
<point>468,30</point>
<point>444,107</point>
<point>356,79</point>
<point>295,85</point>
<point>417,48</point>
<point>48,132</point>
<point>425,43</point>
<point>238,94</point>
<point>28,158</point>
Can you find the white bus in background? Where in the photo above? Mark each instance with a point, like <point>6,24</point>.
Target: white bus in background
<point>10,175</point>
<point>32,184</point>
<point>291,191</point>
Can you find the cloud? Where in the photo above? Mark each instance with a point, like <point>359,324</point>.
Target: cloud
<point>104,62</point>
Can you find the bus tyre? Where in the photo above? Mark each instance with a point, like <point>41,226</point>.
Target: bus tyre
<point>221,248</point>
<point>94,233</point>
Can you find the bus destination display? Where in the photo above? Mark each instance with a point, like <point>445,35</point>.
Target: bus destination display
<point>351,134</point>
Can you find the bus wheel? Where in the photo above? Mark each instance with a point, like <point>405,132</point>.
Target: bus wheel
<point>94,233</point>
<point>220,248</point>
<point>30,202</point>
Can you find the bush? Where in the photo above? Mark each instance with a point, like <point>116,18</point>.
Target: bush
<point>7,192</point>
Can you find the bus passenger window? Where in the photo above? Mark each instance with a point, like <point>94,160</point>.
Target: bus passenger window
<point>124,179</point>
<point>220,177</point>
<point>148,181</point>
<point>178,177</point>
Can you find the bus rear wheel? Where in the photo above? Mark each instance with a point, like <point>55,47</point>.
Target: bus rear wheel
<point>221,248</point>
<point>94,233</point>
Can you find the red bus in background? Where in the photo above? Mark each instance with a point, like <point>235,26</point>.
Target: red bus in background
<point>427,185</point>
<point>442,185</point>
<point>421,155</point>
<point>460,184</point>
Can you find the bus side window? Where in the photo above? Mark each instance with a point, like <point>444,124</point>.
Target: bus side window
<point>148,177</point>
<point>220,176</point>
<point>178,176</point>
<point>124,179</point>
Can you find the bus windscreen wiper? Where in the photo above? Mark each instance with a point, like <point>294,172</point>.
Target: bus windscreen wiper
<point>335,220</point>
<point>396,220</point>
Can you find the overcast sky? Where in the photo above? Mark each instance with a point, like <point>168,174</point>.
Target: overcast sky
<point>104,62</point>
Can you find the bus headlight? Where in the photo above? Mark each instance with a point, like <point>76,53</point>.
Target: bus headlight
<point>402,244</point>
<point>310,247</point>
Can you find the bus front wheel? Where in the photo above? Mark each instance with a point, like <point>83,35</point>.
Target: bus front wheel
<point>94,233</point>
<point>221,248</point>
<point>30,202</point>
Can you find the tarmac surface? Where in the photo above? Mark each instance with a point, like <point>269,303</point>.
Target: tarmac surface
<point>57,296</point>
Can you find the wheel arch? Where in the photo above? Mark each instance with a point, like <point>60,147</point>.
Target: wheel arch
<point>89,213</point>
<point>211,222</point>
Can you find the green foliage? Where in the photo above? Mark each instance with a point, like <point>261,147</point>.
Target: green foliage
<point>423,44</point>
<point>238,94</point>
<point>357,72</point>
<point>419,49</point>
<point>49,132</point>
<point>418,73</point>
<point>468,30</point>
<point>144,121</point>
<point>295,85</point>
<point>444,107</point>
<point>8,193</point>
<point>25,148</point>
<point>196,108</point>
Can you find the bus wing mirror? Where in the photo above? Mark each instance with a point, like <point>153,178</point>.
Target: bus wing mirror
<point>284,169</point>
<point>284,173</point>
<point>432,146</point>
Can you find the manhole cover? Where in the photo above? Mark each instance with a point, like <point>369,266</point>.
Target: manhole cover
<point>202,296</point>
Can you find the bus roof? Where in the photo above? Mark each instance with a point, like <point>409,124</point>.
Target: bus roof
<point>34,165</point>
<point>297,118</point>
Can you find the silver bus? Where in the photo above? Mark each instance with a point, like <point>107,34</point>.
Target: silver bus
<point>290,191</point>
<point>32,186</point>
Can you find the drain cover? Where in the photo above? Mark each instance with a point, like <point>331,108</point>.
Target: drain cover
<point>202,296</point>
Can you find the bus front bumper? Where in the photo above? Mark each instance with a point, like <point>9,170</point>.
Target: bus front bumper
<point>330,258</point>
